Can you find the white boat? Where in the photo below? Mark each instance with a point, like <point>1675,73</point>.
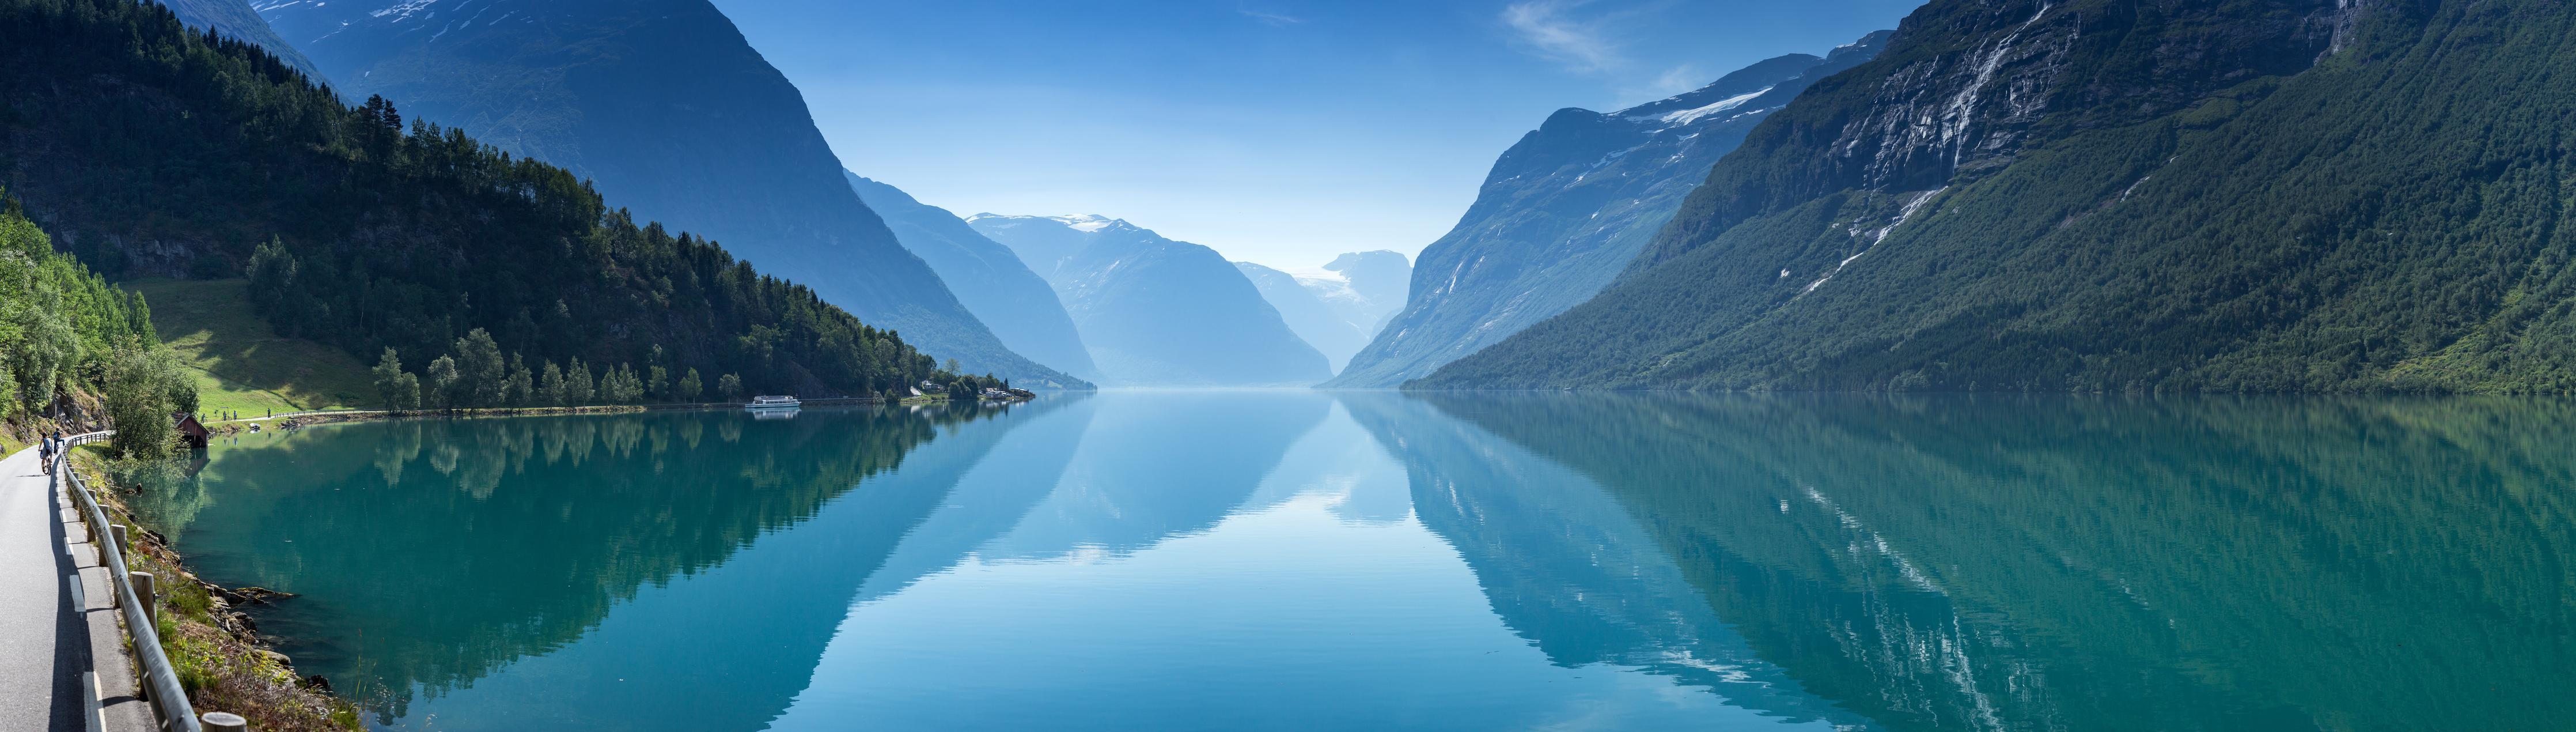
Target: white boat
<point>773,404</point>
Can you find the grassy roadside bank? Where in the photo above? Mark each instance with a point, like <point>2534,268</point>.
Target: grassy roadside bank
<point>214,647</point>
<point>210,637</point>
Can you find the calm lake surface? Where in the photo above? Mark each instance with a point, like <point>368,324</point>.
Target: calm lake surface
<point>1303,560</point>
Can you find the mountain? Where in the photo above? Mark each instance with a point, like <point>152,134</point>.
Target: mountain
<point>990,280</point>
<point>1158,312</point>
<point>1319,324</point>
<point>668,111</point>
<point>1365,288</point>
<point>236,19</point>
<point>145,148</point>
<point>1565,209</point>
<point>1339,308</point>
<point>1045,243</point>
<point>2196,196</point>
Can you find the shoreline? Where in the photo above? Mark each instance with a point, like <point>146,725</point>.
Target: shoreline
<point>362,415</point>
<point>211,627</point>
<point>223,661</point>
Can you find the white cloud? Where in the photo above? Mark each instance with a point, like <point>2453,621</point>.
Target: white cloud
<point>1583,36</point>
<point>1548,27</point>
<point>1274,20</point>
<point>1676,80</point>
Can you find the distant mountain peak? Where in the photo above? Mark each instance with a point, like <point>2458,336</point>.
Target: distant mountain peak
<point>1694,114</point>
<point>671,114</point>
<point>1085,223</point>
<point>1349,260</point>
<point>1869,44</point>
<point>1088,222</point>
<point>1737,91</point>
<point>991,280</point>
<point>1155,311</point>
<point>1738,87</point>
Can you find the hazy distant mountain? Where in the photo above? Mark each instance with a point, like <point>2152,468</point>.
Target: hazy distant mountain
<point>1365,288</point>
<point>665,106</point>
<point>1158,312</point>
<point>235,18</point>
<point>1566,209</point>
<point>1318,323</point>
<point>1340,307</point>
<point>1044,243</point>
<point>1016,303</point>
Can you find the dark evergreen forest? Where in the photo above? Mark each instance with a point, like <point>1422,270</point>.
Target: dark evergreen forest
<point>149,149</point>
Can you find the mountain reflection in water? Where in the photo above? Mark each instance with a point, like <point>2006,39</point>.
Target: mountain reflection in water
<point>1293,560</point>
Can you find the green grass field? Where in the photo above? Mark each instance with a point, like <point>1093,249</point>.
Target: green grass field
<point>241,365</point>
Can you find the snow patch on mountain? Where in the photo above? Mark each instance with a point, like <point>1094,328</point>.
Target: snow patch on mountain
<point>401,11</point>
<point>1688,116</point>
<point>1085,223</point>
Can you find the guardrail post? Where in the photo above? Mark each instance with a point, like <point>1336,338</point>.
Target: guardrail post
<point>143,596</point>
<point>159,682</point>
<point>225,722</point>
<point>116,538</point>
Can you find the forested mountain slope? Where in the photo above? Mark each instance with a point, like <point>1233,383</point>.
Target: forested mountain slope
<point>235,18</point>
<point>55,319</point>
<point>992,282</point>
<point>671,113</point>
<point>2283,195</point>
<point>146,147</point>
<point>1566,208</point>
<point>1154,311</point>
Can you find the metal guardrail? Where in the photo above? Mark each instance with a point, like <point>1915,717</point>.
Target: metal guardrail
<point>159,679</point>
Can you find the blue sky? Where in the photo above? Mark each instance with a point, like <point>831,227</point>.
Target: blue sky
<point>1277,132</point>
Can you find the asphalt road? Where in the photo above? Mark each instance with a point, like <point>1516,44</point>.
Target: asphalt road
<point>44,645</point>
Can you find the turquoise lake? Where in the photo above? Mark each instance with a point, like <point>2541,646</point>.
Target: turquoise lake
<point>1309,560</point>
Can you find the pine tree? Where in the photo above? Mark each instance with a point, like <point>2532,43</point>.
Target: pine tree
<point>519,389</point>
<point>579,388</point>
<point>272,286</point>
<point>627,388</point>
<point>550,387</point>
<point>389,381</point>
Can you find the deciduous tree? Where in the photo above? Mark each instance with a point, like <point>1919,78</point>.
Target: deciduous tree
<point>446,388</point>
